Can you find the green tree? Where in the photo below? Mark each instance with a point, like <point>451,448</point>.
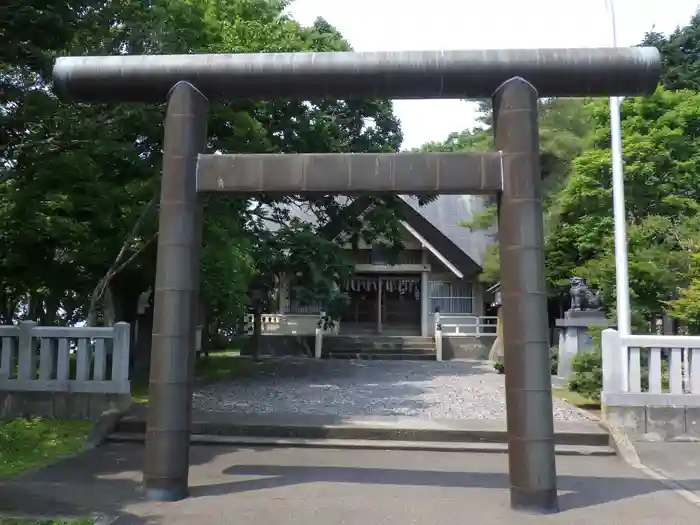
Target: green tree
<point>660,137</point>
<point>679,52</point>
<point>81,181</point>
<point>565,128</point>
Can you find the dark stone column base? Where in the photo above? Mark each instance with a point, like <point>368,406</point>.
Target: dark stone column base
<point>534,502</point>
<point>167,494</point>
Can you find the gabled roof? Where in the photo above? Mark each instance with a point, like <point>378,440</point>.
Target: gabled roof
<point>447,213</point>
<point>437,225</point>
<point>436,253</point>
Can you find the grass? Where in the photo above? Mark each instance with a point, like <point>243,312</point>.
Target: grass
<point>218,366</point>
<point>231,352</point>
<point>578,400</point>
<point>19,521</point>
<point>29,443</point>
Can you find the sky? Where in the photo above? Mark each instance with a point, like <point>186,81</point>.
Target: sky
<point>395,25</point>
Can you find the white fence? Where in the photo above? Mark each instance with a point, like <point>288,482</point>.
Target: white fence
<point>650,370</point>
<point>287,324</point>
<point>437,333</point>
<point>65,359</point>
<point>455,325</point>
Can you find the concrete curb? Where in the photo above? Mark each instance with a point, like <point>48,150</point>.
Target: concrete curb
<point>368,444</point>
<point>105,425</point>
<point>98,519</point>
<point>461,431</point>
<point>621,442</point>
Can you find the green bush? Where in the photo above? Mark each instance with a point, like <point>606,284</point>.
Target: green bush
<point>554,359</point>
<point>587,374</point>
<point>500,367</point>
<point>587,368</point>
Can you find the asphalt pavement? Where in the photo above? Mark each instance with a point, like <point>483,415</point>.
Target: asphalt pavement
<point>269,486</point>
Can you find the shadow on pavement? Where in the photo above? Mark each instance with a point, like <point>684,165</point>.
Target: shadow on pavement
<point>575,491</point>
<point>100,481</point>
<point>107,480</point>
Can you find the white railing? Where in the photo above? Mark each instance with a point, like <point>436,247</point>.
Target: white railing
<point>294,324</point>
<point>456,325</point>
<point>437,332</point>
<point>286,324</point>
<point>65,359</point>
<point>318,339</point>
<point>650,370</point>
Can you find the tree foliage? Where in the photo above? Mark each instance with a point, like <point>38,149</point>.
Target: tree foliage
<point>564,133</point>
<point>79,182</point>
<point>661,149</point>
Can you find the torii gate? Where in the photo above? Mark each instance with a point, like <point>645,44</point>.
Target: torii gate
<point>515,79</point>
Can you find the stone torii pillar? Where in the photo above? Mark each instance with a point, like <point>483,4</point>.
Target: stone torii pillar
<point>523,287</point>
<point>515,78</point>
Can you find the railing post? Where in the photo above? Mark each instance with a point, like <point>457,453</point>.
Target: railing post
<point>248,324</point>
<point>318,343</point>
<point>26,359</point>
<point>438,336</point>
<point>120,353</point>
<point>613,372</point>
<point>694,370</point>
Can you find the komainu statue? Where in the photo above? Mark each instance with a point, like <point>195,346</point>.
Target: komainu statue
<point>582,298</point>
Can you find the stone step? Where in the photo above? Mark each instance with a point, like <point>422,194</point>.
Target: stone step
<point>367,342</point>
<point>379,339</point>
<point>368,444</point>
<point>383,428</point>
<point>380,350</point>
<point>425,356</point>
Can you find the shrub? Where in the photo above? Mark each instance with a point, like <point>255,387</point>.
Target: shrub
<point>500,367</point>
<point>587,374</point>
<point>587,368</point>
<point>554,359</point>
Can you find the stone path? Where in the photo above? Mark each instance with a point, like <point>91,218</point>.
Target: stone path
<point>420,389</point>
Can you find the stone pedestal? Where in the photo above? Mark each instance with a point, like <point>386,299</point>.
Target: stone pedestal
<point>574,336</point>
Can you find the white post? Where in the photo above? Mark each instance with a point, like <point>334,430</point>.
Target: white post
<point>438,337</point>
<point>624,323</point>
<point>379,304</point>
<point>614,378</point>
<point>318,344</point>
<point>120,353</point>
<point>26,360</point>
<point>424,303</point>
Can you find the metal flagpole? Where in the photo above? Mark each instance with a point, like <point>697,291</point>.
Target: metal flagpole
<point>624,324</point>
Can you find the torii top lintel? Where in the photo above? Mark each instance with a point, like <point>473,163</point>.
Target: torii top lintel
<point>347,75</point>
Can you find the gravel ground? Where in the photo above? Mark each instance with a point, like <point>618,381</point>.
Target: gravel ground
<point>423,389</point>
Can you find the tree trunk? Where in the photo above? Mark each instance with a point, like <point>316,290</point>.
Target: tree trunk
<point>51,306</point>
<point>108,307</point>
<point>33,307</point>
<point>8,306</point>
